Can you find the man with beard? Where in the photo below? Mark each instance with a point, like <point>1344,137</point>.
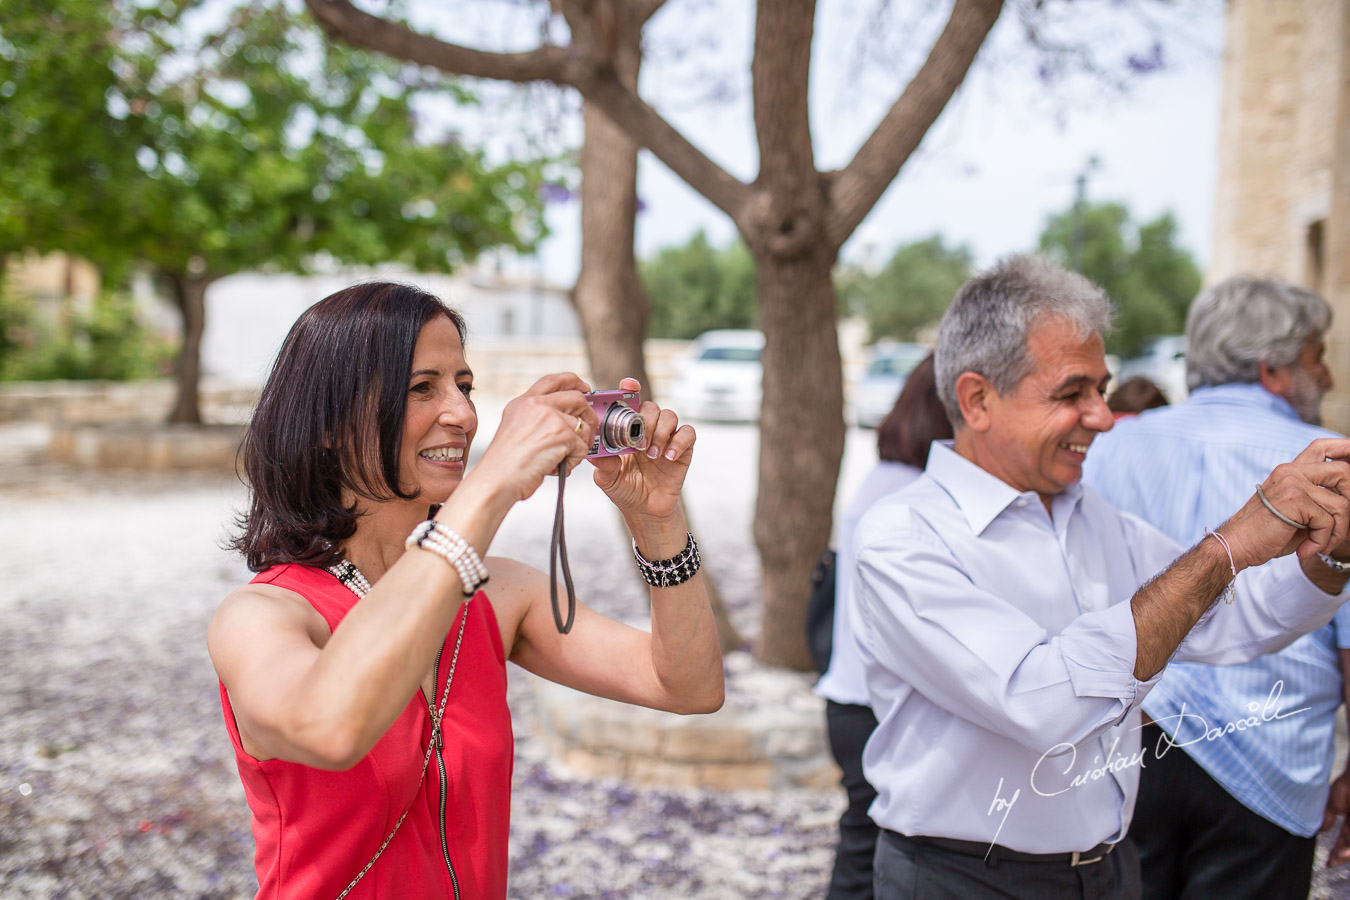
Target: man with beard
<point>1227,812</point>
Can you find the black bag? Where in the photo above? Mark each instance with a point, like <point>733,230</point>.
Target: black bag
<point>820,612</point>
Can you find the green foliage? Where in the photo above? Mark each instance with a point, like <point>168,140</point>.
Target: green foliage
<point>1150,279</point>
<point>62,156</point>
<point>106,341</point>
<point>125,135</point>
<point>15,314</point>
<point>696,288</point>
<point>911,292</point>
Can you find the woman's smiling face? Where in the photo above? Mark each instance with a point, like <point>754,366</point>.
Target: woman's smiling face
<point>440,420</point>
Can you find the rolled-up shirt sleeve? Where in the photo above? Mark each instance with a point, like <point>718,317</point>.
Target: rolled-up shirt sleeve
<point>1273,605</point>
<point>927,624</point>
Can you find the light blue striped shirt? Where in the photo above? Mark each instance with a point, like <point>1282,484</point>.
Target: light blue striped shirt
<point>1187,468</point>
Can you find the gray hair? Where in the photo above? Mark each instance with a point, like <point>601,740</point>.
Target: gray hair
<point>986,327</point>
<point>1244,321</point>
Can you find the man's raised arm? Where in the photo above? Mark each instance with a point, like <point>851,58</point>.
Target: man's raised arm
<point>1310,492</point>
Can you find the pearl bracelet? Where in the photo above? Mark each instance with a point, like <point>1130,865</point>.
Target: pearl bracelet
<point>670,572</point>
<point>434,537</point>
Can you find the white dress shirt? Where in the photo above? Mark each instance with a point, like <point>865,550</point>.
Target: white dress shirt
<point>999,649</point>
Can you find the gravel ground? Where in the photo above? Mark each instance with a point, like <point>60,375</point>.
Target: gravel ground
<point>116,776</point>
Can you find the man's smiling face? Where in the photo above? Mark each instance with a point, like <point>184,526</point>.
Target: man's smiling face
<point>1041,428</point>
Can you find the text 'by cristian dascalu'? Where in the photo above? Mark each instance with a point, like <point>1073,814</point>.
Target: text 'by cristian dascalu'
<point>1181,730</point>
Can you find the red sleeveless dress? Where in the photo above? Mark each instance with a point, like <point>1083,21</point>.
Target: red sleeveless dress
<point>315,830</point>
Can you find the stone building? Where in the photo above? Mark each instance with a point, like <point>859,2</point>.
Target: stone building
<point>1282,205</point>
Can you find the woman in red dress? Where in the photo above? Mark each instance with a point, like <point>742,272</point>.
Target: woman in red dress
<point>362,672</point>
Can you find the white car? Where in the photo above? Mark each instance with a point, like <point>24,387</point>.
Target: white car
<point>720,377</point>
<point>875,394</point>
<point>1164,363</point>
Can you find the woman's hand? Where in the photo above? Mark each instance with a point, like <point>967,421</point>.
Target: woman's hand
<point>547,424</point>
<point>648,481</point>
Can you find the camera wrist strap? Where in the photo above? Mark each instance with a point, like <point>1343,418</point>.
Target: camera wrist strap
<point>558,550</point>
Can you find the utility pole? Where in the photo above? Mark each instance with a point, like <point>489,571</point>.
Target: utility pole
<point>1080,213</point>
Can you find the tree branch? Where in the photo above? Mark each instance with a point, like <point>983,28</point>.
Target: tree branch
<point>787,215</point>
<point>591,71</point>
<point>854,190</point>
<point>346,23</point>
<point>649,129</point>
<point>780,70</point>
<point>566,66</point>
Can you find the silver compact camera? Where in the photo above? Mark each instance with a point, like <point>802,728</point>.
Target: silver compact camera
<point>622,429</point>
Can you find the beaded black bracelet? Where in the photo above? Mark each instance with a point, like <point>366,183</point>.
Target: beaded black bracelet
<point>670,572</point>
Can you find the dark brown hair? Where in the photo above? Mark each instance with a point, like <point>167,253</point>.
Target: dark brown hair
<point>915,421</point>
<point>1136,394</point>
<point>330,418</point>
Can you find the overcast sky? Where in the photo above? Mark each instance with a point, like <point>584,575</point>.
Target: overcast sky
<point>1003,157</point>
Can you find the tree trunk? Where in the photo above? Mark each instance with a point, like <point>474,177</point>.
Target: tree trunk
<point>793,218</point>
<point>189,295</point>
<point>609,298</point>
<point>801,442</point>
<point>801,432</point>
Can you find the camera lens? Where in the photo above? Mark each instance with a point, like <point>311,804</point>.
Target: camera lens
<point>622,429</point>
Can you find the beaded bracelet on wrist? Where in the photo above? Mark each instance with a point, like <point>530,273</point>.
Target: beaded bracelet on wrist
<point>1336,565</point>
<point>670,572</point>
<point>434,537</point>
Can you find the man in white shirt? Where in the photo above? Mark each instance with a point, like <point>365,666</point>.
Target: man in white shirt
<point>1010,622</point>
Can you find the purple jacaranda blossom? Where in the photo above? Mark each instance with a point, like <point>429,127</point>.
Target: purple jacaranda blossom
<point>1151,61</point>
<point>556,192</point>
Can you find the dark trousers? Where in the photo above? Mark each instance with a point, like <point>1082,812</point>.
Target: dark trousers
<point>849,727</point>
<point>908,869</point>
<point>1197,842</point>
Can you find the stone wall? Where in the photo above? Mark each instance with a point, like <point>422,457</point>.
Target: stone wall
<point>147,447</point>
<point>1282,202</point>
<point>109,402</point>
<point>769,735</point>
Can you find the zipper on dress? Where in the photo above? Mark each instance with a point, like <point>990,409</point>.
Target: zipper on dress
<point>439,739</point>
<point>445,843</point>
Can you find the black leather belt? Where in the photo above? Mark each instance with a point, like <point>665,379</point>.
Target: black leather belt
<point>995,853</point>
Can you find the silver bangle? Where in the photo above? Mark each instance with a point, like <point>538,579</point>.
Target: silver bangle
<point>1276,513</point>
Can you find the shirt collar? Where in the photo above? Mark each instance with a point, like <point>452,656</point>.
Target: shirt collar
<point>983,497</point>
<point>1249,395</point>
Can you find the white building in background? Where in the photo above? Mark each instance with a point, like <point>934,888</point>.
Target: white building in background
<point>248,315</point>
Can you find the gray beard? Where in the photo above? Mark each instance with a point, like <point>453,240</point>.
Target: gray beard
<point>1305,396</point>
